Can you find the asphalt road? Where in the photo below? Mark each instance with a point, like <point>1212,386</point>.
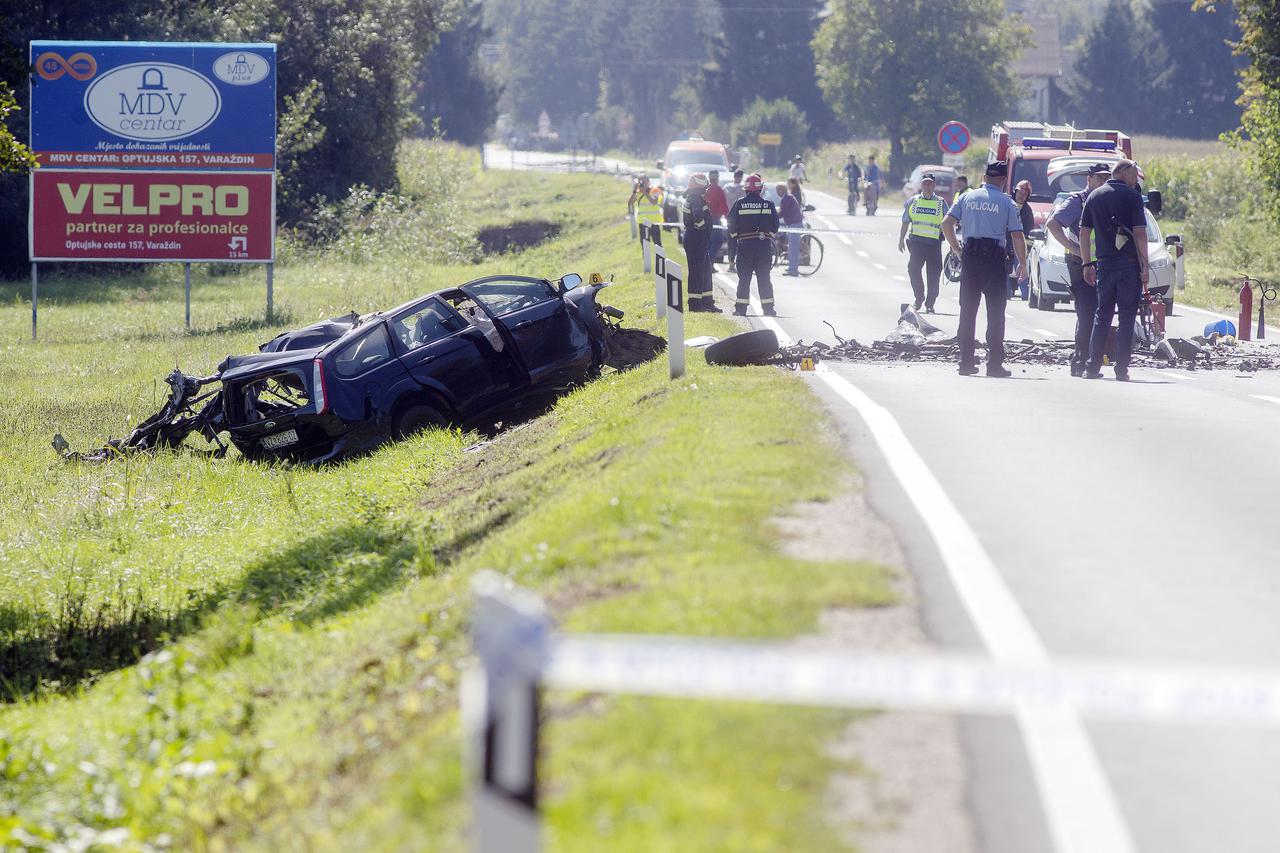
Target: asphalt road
<point>1046,517</point>
<point>1128,522</point>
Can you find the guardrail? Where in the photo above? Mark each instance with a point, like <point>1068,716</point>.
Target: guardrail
<point>519,654</point>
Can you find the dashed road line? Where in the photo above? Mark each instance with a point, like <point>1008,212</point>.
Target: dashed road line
<point>861,253</point>
<point>1268,398</point>
<point>880,266</point>
<point>1046,333</point>
<point>844,238</point>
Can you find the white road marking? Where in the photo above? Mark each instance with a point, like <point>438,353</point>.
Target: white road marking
<point>1079,805</point>
<point>880,266</point>
<point>1215,314</point>
<point>861,253</point>
<point>1176,375</point>
<point>901,278</point>
<point>844,238</point>
<point>1046,333</point>
<point>1266,397</point>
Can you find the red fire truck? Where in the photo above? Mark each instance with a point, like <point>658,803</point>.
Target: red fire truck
<point>1030,146</point>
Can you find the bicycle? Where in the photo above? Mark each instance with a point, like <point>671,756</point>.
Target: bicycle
<point>811,252</point>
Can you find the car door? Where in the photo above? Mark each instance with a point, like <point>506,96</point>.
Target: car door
<point>445,353</point>
<point>552,347</point>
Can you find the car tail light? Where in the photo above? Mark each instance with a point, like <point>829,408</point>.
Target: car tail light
<point>317,386</point>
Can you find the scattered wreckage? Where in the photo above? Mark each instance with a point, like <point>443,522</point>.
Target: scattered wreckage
<point>348,384</point>
<point>915,339</point>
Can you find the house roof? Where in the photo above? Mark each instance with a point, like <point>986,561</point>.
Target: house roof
<point>1042,50</point>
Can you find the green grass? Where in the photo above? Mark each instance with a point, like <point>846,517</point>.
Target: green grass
<point>304,630</point>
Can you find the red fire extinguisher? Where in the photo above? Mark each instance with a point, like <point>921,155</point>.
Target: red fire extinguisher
<point>1244,327</point>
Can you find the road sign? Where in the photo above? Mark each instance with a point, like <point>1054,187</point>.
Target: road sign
<point>127,215</point>
<point>953,137</point>
<point>769,138</point>
<point>953,159</point>
<point>152,105</point>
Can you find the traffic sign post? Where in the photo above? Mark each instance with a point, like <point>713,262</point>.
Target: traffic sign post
<point>954,137</point>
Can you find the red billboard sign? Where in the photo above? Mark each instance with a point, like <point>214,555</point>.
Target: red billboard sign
<point>152,216</point>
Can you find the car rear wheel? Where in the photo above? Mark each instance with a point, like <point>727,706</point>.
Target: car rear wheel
<point>417,418</point>
<point>1033,298</point>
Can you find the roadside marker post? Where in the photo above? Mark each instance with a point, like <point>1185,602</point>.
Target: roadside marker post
<point>631,217</point>
<point>675,319</point>
<point>644,248</point>
<point>500,711</point>
<point>660,281</point>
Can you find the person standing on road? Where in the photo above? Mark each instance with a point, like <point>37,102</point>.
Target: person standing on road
<point>922,217</point>
<point>1064,225</point>
<point>753,222</point>
<point>792,213</point>
<point>962,187</point>
<point>1021,200</point>
<point>1114,212</point>
<point>852,173</point>
<point>875,179</point>
<point>719,204</point>
<point>732,193</point>
<point>697,239</point>
<point>987,217</point>
<point>797,169</point>
<point>646,203</point>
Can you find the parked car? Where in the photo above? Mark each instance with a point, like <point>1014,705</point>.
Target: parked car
<point>944,181</point>
<point>347,384</point>
<point>1049,279</point>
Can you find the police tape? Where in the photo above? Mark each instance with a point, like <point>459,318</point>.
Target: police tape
<point>680,226</point>
<point>795,675</point>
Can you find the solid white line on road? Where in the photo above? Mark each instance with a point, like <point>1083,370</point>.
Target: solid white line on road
<point>844,238</point>
<point>1046,333</point>
<point>1266,397</point>
<point>1078,802</point>
<point>861,253</point>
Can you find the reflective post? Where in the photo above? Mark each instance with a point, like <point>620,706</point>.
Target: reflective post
<point>644,247</point>
<point>631,217</point>
<point>187,289</point>
<point>510,631</point>
<point>35,298</point>
<point>660,263</point>
<point>675,319</point>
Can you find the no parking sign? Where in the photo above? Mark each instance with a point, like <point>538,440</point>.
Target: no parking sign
<point>954,137</point>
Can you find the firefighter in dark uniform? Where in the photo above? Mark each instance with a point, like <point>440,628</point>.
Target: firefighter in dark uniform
<point>753,222</point>
<point>698,223</point>
<point>985,215</point>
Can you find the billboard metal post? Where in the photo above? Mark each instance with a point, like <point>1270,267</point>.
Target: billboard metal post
<point>186,275</point>
<point>271,286</point>
<point>35,298</point>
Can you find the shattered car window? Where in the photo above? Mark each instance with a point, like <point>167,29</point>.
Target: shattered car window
<point>471,311</point>
<point>364,353</point>
<point>426,325</point>
<point>274,395</point>
<point>505,296</point>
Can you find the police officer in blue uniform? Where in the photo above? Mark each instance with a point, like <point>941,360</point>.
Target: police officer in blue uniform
<point>984,215</point>
<point>1114,214</point>
<point>1064,225</point>
<point>753,222</point>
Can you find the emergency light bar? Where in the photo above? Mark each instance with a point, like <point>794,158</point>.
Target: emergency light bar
<point>1071,145</point>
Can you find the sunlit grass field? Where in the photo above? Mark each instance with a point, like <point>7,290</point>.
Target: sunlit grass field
<point>304,630</point>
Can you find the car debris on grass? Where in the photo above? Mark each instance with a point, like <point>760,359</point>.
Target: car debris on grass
<point>347,384</point>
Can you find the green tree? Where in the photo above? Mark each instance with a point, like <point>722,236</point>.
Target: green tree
<point>548,64</point>
<point>1195,91</point>
<point>14,156</point>
<point>1116,71</point>
<point>895,67</point>
<point>764,50</point>
<point>455,87</point>
<point>780,116</point>
<point>1259,22</point>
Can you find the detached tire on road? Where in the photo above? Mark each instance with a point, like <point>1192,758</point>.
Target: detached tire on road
<point>417,418</point>
<point>744,348</point>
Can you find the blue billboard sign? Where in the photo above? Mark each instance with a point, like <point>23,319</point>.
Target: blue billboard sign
<point>153,105</point>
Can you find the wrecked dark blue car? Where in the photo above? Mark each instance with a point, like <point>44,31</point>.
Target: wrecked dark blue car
<point>347,384</point>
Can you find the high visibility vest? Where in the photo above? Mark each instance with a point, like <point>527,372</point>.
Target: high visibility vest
<point>649,211</point>
<point>926,217</point>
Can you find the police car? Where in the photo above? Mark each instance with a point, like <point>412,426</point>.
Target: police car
<point>1047,259</point>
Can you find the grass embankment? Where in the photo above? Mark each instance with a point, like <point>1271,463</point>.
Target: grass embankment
<point>306,627</point>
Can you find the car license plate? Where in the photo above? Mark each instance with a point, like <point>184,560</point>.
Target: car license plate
<point>280,439</point>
